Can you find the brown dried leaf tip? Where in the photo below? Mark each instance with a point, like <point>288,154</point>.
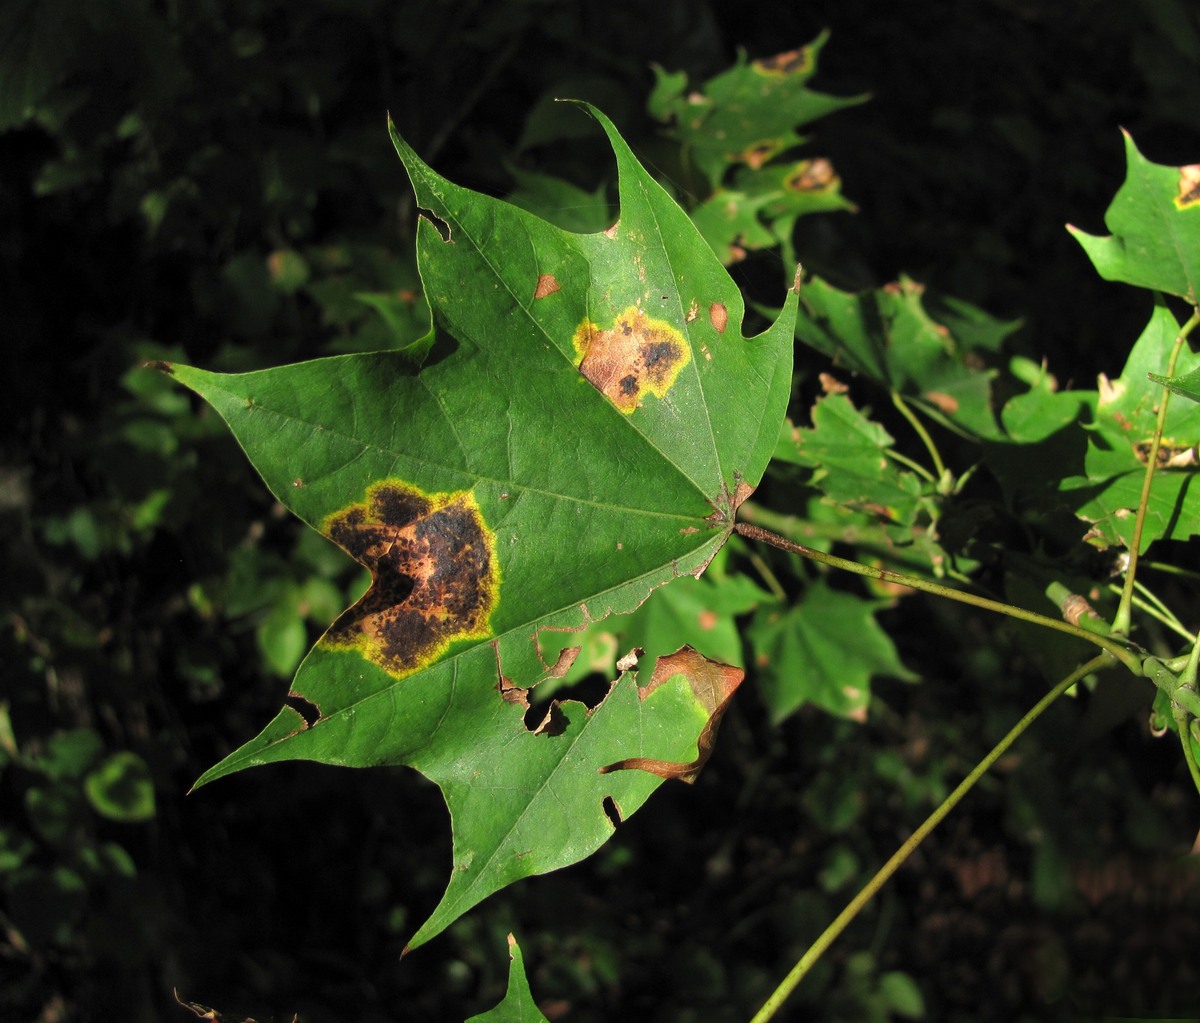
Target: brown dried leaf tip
<point>434,577</point>
<point>635,356</point>
<point>713,684</point>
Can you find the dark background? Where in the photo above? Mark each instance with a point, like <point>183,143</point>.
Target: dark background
<point>153,157</point>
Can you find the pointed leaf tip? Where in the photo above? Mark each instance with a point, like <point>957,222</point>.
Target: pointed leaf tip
<point>518,1005</point>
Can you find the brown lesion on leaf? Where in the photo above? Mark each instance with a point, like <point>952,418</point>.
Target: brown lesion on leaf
<point>757,153</point>
<point>713,685</point>
<point>160,366</point>
<point>791,62</point>
<point>547,284</point>
<point>636,356</point>
<point>718,316</point>
<point>434,576</point>
<point>1168,456</point>
<point>1189,186</point>
<point>831,384</point>
<point>945,402</point>
<point>811,176</point>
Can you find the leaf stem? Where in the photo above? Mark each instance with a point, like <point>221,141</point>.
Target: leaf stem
<point>866,537</point>
<point>1111,646</point>
<point>767,576</point>
<point>1124,616</point>
<point>1144,600</point>
<point>916,424</point>
<point>910,463</point>
<point>884,874</point>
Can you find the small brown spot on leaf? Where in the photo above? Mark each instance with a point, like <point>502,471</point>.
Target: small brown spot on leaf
<point>1189,186</point>
<point>634,357</point>
<point>946,402</point>
<point>546,285</point>
<point>693,311</point>
<point>756,155</point>
<point>713,685</point>
<point>297,483</point>
<point>811,176</point>
<point>791,62</point>
<point>158,364</point>
<point>689,530</point>
<point>434,577</point>
<point>707,620</point>
<point>718,315</point>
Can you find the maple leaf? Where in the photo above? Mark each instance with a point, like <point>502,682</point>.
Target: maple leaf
<point>578,428</point>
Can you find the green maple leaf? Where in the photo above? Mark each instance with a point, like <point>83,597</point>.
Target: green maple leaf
<point>748,113</point>
<point>577,429</point>
<point>744,120</point>
<point>1155,223</point>
<point>824,650</point>
<point>1118,444</point>
<point>849,457</point>
<point>890,337</point>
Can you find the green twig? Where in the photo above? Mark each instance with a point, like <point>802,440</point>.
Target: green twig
<point>1114,648</point>
<point>884,874</point>
<point>1124,616</point>
<point>1183,726</point>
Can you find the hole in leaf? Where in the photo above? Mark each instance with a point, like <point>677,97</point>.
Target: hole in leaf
<point>438,223</point>
<point>546,720</point>
<point>303,706</point>
<point>612,811</point>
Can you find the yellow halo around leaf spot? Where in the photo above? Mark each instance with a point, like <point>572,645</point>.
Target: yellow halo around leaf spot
<point>434,575</point>
<point>636,356</point>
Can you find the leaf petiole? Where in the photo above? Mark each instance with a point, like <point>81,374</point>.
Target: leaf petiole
<point>1118,651</point>
<point>1124,616</point>
<point>938,465</point>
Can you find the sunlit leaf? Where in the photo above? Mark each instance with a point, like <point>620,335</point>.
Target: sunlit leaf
<point>1155,223</point>
<point>577,430</point>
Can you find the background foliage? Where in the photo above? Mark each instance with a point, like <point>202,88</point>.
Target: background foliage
<point>213,183</point>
